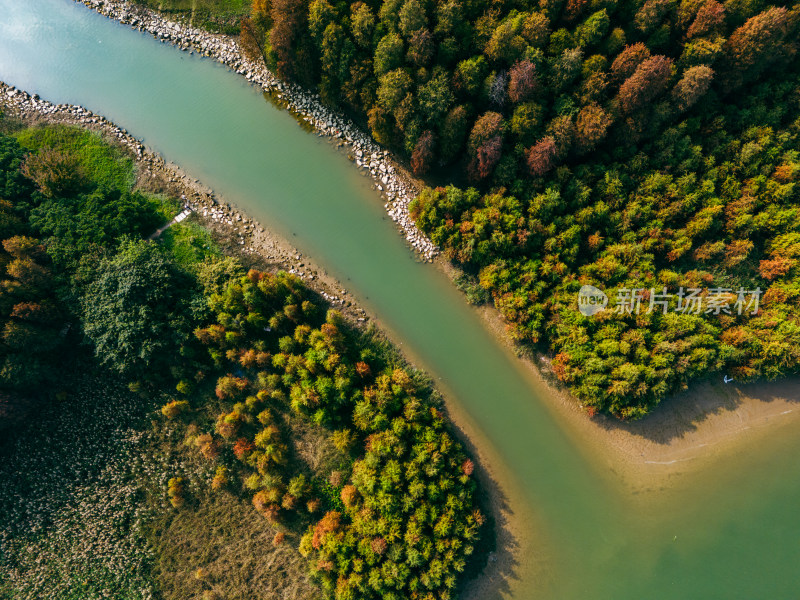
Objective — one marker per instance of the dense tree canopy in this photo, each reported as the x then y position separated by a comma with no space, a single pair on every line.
404,65
399,519
712,205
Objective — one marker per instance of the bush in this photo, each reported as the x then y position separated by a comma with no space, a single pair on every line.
174,408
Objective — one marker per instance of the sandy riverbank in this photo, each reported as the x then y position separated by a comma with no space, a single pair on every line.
685,434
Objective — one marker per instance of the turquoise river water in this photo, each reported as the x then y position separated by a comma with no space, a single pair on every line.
733,533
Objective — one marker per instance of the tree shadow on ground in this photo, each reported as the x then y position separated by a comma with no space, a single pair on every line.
686,411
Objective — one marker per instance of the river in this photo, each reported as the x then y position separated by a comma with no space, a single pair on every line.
734,533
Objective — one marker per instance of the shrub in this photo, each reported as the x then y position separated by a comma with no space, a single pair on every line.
174,408
175,491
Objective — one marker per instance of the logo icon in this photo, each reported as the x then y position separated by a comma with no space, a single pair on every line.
591,300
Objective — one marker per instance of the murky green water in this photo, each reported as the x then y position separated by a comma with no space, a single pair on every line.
734,534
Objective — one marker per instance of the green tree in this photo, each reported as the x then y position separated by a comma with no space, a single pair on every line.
453,133
470,74
13,185
526,122
593,30
435,97
138,311
76,225
388,54
362,23
393,88
412,17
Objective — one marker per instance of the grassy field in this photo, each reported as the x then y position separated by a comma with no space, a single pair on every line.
99,521
217,546
73,504
102,163
215,15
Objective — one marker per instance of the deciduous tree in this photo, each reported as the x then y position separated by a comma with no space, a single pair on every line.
693,85
541,156
646,83
136,312
522,82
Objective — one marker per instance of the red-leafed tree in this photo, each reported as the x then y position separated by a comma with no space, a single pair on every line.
522,81
710,16
486,127
756,44
646,83
775,268
328,524
288,24
626,62
250,40
485,144
422,157
575,8
542,156
488,156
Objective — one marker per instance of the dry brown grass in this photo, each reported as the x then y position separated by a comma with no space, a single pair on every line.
314,449
233,546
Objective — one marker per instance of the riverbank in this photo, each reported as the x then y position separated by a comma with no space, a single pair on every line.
235,230
392,182
514,554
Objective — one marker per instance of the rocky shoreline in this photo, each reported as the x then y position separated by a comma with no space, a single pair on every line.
232,228
390,180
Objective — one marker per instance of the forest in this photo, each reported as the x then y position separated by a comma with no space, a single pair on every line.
646,146
183,383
